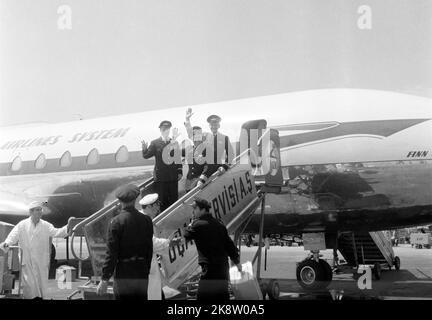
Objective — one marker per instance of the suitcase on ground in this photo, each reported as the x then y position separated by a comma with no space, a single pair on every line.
244,285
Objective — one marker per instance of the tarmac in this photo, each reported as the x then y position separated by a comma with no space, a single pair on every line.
412,281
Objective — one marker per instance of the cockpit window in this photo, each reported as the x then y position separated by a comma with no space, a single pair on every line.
122,154
93,157
40,162
16,164
66,160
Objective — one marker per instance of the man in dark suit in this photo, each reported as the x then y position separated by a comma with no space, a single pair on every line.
129,249
214,247
168,166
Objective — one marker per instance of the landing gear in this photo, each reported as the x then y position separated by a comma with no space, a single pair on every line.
273,290
377,271
313,275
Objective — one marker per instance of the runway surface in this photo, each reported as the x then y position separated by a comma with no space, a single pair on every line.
412,281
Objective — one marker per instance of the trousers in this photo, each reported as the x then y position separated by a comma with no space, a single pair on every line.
213,284
168,193
130,289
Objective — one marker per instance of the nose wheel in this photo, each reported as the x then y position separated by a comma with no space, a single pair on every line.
270,288
313,275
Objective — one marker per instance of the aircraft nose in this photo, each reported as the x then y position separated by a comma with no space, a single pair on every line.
13,207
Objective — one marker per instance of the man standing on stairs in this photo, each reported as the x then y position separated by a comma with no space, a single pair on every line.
168,165
214,247
218,152
218,148
194,156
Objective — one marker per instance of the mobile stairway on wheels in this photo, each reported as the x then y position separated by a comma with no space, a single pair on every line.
373,249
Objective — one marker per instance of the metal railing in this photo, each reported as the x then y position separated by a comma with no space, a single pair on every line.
113,205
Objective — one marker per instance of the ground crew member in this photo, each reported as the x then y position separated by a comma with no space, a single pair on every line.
214,247
150,207
219,148
129,249
32,235
195,158
168,166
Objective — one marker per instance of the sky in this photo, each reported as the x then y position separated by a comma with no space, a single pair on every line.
106,57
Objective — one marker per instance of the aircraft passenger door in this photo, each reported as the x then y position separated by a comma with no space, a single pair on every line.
271,159
264,152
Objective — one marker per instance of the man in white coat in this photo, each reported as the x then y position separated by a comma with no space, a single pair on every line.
150,207
32,235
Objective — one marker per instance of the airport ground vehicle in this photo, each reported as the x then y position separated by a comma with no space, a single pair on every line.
421,240
11,273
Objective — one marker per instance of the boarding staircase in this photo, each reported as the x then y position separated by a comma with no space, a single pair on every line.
366,248
181,261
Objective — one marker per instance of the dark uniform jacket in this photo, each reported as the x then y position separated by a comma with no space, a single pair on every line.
130,235
195,168
162,171
213,243
221,151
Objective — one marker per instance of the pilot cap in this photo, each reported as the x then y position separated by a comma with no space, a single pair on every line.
36,204
127,193
213,118
165,124
149,199
202,203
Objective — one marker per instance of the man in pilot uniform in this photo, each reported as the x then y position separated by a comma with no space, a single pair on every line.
168,166
214,247
194,154
218,148
129,249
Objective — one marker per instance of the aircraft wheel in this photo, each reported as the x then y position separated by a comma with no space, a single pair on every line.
397,263
310,275
377,271
273,290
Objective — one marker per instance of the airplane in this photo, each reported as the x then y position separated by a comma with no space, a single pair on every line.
352,160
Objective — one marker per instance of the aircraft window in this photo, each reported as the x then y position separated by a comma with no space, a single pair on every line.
93,157
16,164
122,154
66,160
40,162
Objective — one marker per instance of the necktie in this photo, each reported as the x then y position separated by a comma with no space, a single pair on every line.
215,149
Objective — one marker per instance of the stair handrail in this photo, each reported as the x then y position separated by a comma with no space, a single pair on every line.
108,207
113,204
